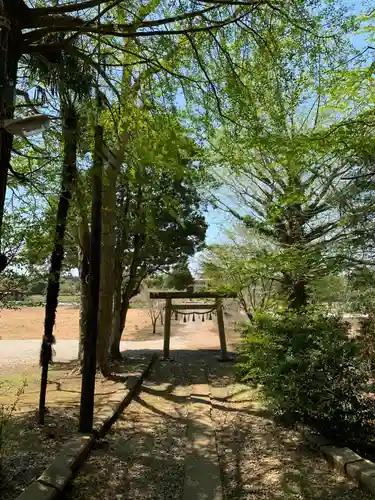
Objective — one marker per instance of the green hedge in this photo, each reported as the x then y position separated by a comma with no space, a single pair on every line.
310,371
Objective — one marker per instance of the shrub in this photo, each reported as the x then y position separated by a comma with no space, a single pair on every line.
310,371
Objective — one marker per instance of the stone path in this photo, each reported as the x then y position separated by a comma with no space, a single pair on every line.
202,471
194,434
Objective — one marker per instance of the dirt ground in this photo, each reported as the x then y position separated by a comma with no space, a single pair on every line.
143,455
32,447
27,448
26,323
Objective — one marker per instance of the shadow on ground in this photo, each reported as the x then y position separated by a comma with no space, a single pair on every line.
28,448
143,455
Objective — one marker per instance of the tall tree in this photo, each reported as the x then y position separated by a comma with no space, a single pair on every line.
50,32
242,265
279,158
69,170
161,224
180,277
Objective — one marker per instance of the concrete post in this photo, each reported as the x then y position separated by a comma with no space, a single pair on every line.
220,325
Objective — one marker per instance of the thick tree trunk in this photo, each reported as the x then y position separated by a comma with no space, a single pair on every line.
107,270
108,253
298,297
14,14
8,79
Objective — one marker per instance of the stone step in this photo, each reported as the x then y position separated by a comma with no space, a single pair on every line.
202,471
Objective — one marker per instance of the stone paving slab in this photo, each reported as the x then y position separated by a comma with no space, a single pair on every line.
202,471
39,491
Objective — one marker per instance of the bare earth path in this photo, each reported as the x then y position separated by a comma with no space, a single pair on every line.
194,434
23,355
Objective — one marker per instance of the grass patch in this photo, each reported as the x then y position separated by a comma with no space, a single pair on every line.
40,300
69,298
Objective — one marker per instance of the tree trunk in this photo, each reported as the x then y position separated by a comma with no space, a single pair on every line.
125,304
296,292
116,323
83,304
128,292
108,254
298,296
154,326
8,79
116,337
107,270
57,256
69,168
86,414
83,240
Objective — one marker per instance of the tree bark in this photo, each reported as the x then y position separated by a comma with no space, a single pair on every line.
128,293
107,267
116,323
298,296
8,78
57,256
120,248
296,291
82,233
84,289
108,254
86,415
117,334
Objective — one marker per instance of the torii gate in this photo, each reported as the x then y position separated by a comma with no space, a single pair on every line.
170,307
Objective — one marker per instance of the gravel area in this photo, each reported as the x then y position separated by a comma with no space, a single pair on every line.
261,460
143,456
28,448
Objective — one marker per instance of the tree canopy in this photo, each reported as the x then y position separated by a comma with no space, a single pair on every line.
161,110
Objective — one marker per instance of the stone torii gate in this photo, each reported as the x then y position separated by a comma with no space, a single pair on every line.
170,307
